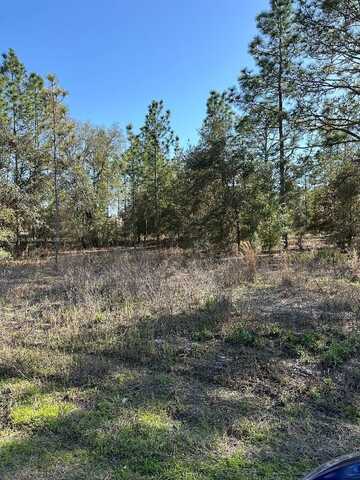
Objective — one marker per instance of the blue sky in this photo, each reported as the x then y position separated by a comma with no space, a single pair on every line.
115,56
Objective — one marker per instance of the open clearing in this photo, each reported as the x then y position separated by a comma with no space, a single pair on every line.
148,365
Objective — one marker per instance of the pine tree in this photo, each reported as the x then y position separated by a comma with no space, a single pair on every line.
13,95
330,78
133,172
275,51
158,139
22,105
218,167
58,127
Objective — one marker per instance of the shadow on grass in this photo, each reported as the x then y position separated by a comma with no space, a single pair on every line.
177,403
150,427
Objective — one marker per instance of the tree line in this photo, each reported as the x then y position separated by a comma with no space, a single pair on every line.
277,155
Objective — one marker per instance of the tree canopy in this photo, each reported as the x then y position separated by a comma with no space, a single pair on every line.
277,155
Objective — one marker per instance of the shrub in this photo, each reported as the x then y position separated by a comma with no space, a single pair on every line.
269,232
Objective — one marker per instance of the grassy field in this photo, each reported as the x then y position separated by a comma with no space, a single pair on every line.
145,365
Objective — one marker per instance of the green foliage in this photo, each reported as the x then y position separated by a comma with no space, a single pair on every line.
277,156
339,351
270,229
268,97
336,204
222,179
329,30
91,189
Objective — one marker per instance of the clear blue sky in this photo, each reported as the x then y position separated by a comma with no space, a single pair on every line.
115,56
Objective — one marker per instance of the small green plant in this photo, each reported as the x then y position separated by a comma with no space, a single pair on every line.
302,344
339,351
271,330
242,336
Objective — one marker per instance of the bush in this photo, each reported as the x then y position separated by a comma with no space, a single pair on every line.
270,231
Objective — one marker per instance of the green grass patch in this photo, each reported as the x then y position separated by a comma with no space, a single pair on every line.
43,411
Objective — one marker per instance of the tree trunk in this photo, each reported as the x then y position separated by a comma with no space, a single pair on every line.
56,185
282,159
156,195
16,182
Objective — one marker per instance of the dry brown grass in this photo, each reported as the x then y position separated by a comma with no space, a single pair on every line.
249,257
248,364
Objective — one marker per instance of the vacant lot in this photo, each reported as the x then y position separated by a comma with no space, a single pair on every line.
144,366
